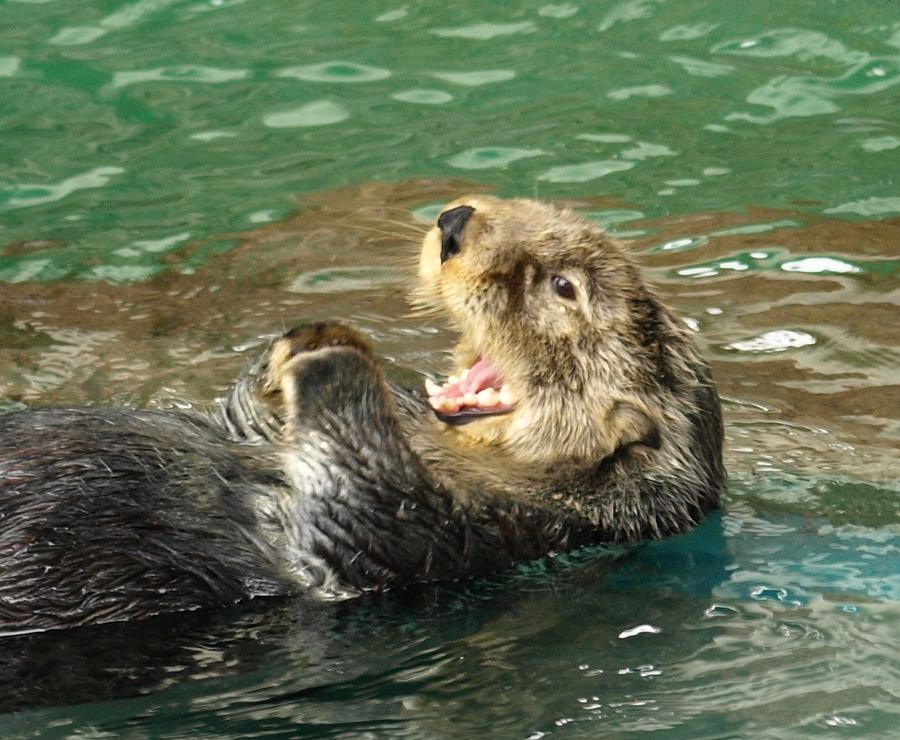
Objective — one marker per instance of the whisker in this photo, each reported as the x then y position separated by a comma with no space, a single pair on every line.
375,214
354,214
418,228
418,314
412,260
384,232
401,262
400,209
411,235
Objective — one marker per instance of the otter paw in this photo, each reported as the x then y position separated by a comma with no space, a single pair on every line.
312,337
316,359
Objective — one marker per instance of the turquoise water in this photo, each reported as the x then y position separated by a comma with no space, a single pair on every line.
178,180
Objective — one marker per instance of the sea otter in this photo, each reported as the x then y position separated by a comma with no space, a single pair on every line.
579,412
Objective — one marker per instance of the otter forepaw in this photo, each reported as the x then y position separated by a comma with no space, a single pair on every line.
321,365
303,342
312,337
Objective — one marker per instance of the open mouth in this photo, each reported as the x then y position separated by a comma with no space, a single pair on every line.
474,394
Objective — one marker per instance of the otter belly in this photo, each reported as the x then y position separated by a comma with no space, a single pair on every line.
108,515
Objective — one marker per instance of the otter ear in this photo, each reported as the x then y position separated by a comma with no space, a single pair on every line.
632,428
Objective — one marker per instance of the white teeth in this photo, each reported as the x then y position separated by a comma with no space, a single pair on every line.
488,397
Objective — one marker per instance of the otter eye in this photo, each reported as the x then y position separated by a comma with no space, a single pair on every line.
563,288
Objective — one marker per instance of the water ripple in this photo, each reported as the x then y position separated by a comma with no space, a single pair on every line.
881,143
485,31
423,96
627,11
584,171
9,66
818,265
393,15
317,113
774,341
869,207
777,241
133,13
336,71
640,91
496,157
76,35
181,73
476,78
701,67
788,97
558,11
23,195
797,42
688,32
645,150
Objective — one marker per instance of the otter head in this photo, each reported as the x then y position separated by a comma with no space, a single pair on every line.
564,352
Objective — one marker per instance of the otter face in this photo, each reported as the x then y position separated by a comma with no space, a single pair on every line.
564,352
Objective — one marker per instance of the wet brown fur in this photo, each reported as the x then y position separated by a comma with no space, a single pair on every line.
613,368
618,423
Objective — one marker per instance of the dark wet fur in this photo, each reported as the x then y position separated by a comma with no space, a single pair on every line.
110,515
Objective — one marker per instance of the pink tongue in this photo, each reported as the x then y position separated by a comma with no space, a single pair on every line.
481,375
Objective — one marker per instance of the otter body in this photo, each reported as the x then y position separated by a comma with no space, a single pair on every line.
579,412
108,515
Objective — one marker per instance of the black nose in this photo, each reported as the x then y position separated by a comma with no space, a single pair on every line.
451,224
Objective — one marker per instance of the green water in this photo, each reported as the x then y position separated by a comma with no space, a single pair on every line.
130,128
180,179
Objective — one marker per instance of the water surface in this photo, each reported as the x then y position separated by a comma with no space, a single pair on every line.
181,180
